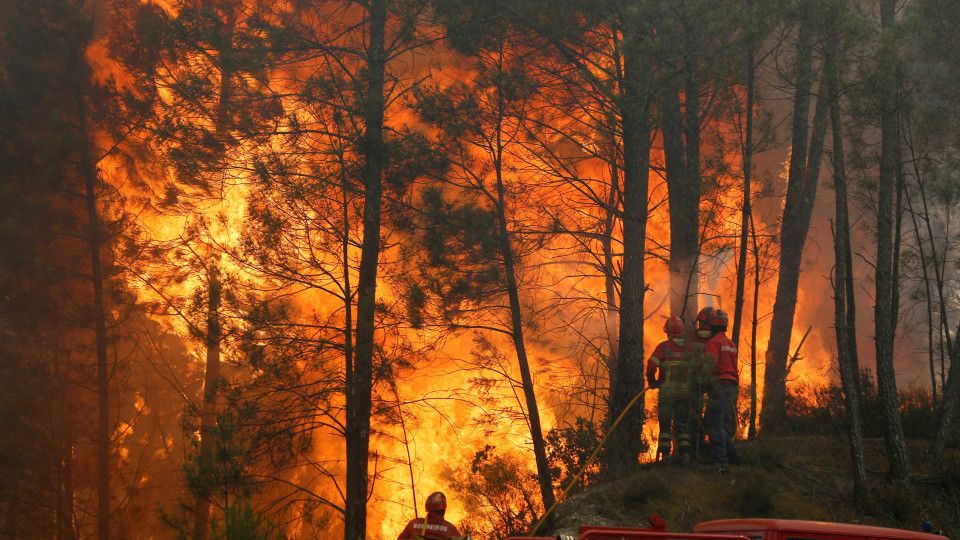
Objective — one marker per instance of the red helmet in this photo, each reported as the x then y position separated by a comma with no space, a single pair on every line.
436,502
719,318
705,315
673,326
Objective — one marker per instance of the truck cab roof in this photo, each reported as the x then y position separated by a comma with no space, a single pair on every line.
792,529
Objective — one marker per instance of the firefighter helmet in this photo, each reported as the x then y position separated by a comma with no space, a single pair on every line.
673,326
719,318
436,502
705,315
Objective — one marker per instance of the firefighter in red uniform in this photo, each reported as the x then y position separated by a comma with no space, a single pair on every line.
431,526
723,391
669,370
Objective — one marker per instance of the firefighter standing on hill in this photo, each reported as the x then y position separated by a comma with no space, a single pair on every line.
431,526
701,376
669,370
721,394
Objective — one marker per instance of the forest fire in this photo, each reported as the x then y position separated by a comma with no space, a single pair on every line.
288,268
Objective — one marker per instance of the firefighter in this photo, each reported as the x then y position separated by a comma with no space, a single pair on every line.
669,370
431,526
701,375
722,392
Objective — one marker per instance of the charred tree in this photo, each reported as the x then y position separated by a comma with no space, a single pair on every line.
634,100
884,308
359,380
516,315
516,330
844,299
746,213
680,128
751,49
92,186
211,379
806,151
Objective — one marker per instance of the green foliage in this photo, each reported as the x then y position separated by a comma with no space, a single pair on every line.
241,522
568,450
500,494
223,471
456,249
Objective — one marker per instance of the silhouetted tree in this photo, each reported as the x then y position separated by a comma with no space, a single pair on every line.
803,176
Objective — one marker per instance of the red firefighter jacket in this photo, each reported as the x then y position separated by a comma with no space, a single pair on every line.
436,527
724,354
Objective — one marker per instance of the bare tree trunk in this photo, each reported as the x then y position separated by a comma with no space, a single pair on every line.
951,389
625,442
611,310
745,216
801,194
690,239
359,388
516,333
683,178
844,301
65,491
516,312
754,319
683,192
947,409
95,243
929,458
884,310
208,414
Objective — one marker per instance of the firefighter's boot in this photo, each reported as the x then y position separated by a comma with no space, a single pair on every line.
663,451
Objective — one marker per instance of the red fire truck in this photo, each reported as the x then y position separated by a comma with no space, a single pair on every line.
747,529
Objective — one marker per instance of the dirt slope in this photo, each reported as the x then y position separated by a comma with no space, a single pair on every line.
794,477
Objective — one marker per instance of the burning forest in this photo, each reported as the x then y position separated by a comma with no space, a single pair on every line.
283,269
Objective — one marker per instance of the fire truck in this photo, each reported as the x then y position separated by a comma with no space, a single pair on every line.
746,529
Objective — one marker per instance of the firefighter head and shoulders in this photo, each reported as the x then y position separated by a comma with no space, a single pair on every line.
433,525
667,365
721,349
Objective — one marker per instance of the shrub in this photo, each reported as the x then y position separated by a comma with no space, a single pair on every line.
755,495
568,450
819,409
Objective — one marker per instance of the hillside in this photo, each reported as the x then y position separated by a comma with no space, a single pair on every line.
791,477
